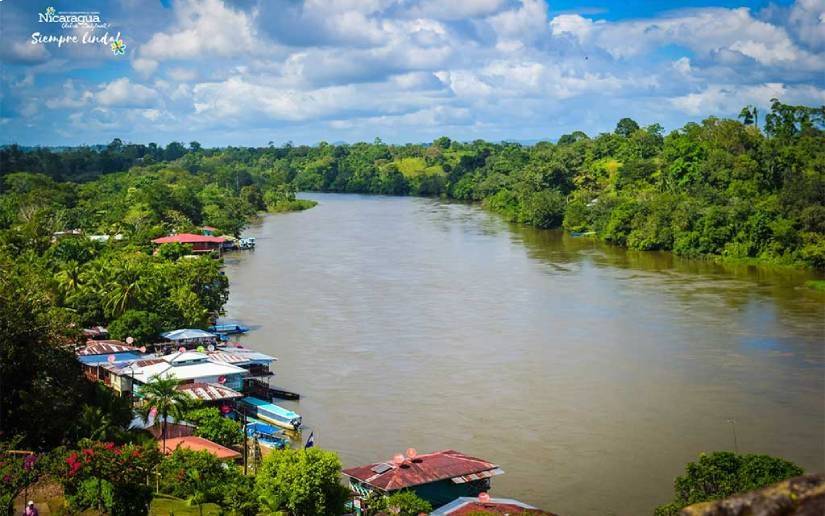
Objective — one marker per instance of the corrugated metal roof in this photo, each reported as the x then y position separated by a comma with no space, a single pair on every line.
189,238
197,444
463,479
209,391
229,358
240,356
104,347
467,505
424,469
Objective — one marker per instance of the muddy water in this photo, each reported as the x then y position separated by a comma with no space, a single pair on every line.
590,374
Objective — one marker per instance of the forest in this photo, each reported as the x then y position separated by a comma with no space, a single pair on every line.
733,189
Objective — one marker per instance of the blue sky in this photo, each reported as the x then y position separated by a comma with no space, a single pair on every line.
248,72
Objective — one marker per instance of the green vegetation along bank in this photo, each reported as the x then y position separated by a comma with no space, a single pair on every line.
720,188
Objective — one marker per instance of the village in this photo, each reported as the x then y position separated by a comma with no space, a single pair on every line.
213,370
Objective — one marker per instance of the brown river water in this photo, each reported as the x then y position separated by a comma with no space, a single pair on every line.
589,373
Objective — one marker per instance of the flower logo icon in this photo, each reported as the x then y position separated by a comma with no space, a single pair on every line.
50,11
118,47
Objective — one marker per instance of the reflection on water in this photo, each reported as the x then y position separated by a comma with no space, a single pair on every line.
591,374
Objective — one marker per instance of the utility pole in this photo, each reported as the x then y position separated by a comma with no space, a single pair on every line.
243,414
732,422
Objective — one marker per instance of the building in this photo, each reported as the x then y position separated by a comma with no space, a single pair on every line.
258,366
196,443
199,243
189,367
483,504
97,356
209,230
438,477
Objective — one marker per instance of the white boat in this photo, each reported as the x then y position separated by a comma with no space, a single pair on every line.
271,413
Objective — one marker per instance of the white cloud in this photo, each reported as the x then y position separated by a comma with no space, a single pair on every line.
455,10
705,31
725,99
807,20
204,28
182,74
72,97
523,23
24,52
124,93
145,66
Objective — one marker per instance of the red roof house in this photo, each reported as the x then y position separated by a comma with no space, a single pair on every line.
486,505
438,477
199,243
195,443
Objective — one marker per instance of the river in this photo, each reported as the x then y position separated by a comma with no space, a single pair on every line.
589,373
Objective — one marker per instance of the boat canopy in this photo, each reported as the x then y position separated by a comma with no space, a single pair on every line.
265,406
188,334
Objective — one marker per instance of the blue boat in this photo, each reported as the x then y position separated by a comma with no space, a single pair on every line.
271,413
228,328
268,435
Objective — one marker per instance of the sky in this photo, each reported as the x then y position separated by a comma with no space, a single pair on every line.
250,72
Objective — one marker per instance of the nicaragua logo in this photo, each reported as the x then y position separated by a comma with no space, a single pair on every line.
79,27
69,20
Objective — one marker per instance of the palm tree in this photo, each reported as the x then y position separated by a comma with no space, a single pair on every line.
125,288
95,424
163,395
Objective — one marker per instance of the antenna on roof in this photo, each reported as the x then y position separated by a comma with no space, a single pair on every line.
398,459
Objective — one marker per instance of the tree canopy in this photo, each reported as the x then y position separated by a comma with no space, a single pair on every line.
723,188
722,474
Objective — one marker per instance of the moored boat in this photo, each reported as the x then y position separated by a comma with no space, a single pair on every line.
228,328
271,413
267,435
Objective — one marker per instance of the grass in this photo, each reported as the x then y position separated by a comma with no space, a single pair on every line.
294,205
412,167
816,285
163,505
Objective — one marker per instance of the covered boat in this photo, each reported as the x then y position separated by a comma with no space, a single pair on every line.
271,413
267,435
228,328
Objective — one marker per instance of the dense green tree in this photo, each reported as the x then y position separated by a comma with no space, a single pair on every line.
41,387
144,327
722,474
301,482
626,127
215,427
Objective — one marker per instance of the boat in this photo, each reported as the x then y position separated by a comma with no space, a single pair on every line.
246,243
228,328
582,233
267,435
271,413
